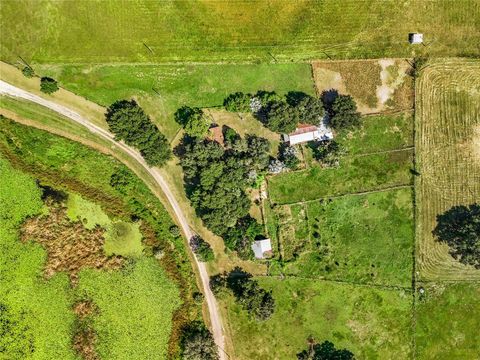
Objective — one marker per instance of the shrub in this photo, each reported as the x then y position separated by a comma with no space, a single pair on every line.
28,72
48,85
327,153
201,248
237,102
175,231
324,351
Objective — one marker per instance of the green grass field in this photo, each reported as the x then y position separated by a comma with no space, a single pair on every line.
372,323
162,89
352,239
215,30
448,321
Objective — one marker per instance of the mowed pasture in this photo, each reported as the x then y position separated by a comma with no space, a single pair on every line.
448,157
162,89
101,31
372,323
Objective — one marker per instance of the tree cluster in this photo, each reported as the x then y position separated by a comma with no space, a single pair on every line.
193,120
241,237
127,120
197,343
216,178
324,351
48,85
459,228
257,301
279,114
201,248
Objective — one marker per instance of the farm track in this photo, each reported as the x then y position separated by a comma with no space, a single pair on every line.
447,109
215,319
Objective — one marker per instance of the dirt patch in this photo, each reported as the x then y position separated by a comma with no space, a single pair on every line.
84,343
70,247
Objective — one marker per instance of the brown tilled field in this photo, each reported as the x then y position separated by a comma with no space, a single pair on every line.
448,157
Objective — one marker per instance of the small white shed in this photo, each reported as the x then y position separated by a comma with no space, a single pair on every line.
415,38
261,247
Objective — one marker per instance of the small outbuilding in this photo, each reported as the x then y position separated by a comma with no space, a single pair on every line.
415,38
262,248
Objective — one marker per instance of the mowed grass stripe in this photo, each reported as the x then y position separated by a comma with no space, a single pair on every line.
448,157
216,30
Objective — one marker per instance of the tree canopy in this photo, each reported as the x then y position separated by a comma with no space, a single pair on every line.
459,228
201,248
343,113
325,351
216,178
127,120
198,343
237,102
193,120
48,85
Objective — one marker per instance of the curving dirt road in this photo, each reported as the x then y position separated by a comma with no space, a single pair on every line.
215,320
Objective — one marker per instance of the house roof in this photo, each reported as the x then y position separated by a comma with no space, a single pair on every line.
304,133
415,38
216,134
260,247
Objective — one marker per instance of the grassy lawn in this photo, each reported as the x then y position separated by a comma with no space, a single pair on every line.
351,239
147,31
454,306
372,323
162,89
355,174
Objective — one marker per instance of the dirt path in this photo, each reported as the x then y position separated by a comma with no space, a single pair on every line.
215,319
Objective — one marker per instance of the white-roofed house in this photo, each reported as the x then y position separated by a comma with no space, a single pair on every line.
305,133
261,248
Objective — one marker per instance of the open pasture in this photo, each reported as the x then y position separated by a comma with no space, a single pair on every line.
371,322
448,157
101,31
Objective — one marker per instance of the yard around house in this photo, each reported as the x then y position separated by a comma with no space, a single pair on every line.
219,31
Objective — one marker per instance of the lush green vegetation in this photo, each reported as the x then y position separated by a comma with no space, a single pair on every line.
135,303
121,238
354,174
127,120
162,89
198,343
99,178
351,239
202,249
371,323
48,85
35,313
343,113
447,321
325,351
148,31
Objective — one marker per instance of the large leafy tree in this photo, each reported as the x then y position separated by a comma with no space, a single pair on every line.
237,102
325,351
127,120
459,227
343,113
198,343
281,117
48,85
193,120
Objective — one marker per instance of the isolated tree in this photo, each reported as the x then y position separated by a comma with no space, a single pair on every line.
193,120
344,114
201,248
459,228
174,231
28,72
237,102
48,85
198,343
324,351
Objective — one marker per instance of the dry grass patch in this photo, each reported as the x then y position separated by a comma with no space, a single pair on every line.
448,108
376,85
70,246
